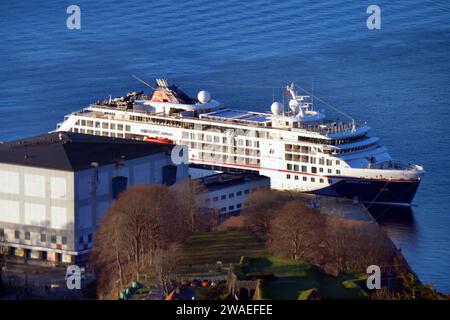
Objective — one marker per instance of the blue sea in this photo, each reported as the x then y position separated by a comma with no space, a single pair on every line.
396,78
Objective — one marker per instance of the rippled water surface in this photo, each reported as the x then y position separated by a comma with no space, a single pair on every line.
396,79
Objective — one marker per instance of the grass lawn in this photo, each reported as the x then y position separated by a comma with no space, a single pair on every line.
294,277
225,246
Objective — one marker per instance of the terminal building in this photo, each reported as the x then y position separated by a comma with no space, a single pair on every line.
227,192
55,188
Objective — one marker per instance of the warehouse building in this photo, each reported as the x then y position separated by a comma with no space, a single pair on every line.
55,188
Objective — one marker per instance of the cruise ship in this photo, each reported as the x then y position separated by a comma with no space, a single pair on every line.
294,145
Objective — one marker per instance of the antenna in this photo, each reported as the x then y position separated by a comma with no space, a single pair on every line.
142,81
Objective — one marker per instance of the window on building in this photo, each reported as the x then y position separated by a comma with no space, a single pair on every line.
231,208
239,193
320,169
16,234
312,160
223,197
231,195
223,209
239,205
305,178
246,191
27,235
329,163
215,199
296,177
313,179
321,161
289,166
321,180
81,240
288,176
329,171
304,169
338,162
127,128
43,237
208,200
64,240
2,232
97,124
314,169
338,171
90,237
295,167
53,238
169,173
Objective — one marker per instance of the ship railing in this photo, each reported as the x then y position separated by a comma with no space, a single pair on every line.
392,165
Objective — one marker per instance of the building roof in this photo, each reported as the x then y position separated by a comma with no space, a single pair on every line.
69,151
227,180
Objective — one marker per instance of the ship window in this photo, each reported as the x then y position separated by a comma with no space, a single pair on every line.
16,234
304,169
27,235
64,240
83,123
313,179
127,128
97,124
322,161
53,238
329,163
104,125
288,147
338,171
304,149
312,160
289,166
304,178
120,127
288,176
329,171
330,181
112,126
288,156
320,169
338,162
321,180
296,177
314,169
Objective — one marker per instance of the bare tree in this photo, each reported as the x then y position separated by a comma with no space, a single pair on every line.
261,207
295,232
143,220
166,265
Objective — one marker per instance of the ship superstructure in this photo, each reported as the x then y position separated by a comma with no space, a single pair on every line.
295,146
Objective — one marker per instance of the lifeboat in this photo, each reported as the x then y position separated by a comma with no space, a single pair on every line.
158,140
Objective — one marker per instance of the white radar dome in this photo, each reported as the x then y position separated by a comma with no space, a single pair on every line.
293,104
276,108
204,96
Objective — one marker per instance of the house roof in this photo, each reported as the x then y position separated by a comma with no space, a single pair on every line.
69,151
